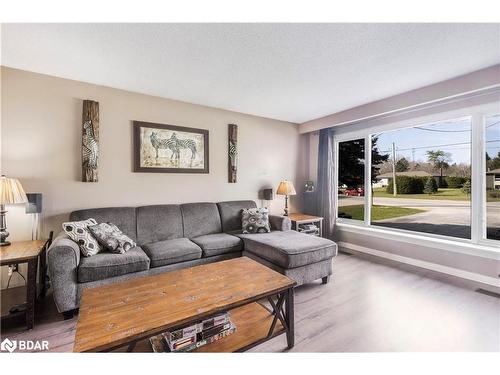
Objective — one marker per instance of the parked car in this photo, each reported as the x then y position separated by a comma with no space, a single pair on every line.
342,188
354,192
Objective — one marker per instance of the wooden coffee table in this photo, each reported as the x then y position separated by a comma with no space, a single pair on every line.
124,313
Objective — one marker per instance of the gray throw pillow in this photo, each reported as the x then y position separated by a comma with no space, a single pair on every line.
78,231
255,220
112,238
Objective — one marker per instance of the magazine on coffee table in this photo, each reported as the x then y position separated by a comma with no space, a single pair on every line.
194,335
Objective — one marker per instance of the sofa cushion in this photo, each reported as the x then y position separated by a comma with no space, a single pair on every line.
200,218
289,249
122,217
171,251
106,264
158,223
230,214
218,243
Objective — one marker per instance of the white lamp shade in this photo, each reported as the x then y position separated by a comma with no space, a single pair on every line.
11,191
286,188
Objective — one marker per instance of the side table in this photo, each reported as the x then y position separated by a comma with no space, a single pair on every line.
25,252
307,224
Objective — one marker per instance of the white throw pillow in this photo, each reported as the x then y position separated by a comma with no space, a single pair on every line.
78,232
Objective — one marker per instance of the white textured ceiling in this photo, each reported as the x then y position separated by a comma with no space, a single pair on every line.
293,72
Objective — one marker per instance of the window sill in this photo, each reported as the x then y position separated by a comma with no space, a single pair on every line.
452,245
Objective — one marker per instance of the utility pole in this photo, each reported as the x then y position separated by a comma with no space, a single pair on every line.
394,186
413,155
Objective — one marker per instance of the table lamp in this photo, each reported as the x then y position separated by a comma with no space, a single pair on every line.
286,188
11,192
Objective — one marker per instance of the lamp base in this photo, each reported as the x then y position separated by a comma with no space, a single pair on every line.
3,227
286,206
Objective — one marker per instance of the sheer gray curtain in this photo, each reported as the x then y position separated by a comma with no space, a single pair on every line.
325,181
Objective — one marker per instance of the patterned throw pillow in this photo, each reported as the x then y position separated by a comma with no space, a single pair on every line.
78,232
112,238
255,220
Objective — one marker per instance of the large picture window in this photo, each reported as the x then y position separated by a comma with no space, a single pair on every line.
423,179
437,176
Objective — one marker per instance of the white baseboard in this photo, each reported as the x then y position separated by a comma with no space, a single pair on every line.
424,264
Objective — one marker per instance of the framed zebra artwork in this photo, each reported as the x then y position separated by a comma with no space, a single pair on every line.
164,148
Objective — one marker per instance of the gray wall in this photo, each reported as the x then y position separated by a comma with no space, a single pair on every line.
471,263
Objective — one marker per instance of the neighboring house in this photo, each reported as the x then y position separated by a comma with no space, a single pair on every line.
383,179
493,179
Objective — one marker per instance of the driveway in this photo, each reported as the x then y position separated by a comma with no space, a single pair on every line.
446,217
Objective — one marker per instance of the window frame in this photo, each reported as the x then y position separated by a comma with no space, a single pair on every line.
478,222
336,184
482,239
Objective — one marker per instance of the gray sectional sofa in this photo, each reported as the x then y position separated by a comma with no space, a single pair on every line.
178,236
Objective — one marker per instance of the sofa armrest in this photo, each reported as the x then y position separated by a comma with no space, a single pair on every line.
282,223
63,258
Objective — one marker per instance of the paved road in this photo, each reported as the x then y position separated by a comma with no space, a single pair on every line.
441,216
406,202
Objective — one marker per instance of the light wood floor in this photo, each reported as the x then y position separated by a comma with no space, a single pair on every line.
368,306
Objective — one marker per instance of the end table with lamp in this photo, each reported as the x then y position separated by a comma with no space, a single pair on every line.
11,192
17,252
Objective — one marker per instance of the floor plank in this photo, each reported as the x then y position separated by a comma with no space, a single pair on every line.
368,306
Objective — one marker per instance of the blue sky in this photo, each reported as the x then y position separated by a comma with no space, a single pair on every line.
453,136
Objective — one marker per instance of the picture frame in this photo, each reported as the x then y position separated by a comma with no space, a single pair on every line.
163,148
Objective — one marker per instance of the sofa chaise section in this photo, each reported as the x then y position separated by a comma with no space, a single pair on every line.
289,249
302,257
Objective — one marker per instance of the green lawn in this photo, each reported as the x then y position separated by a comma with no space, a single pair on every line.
442,194
378,212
